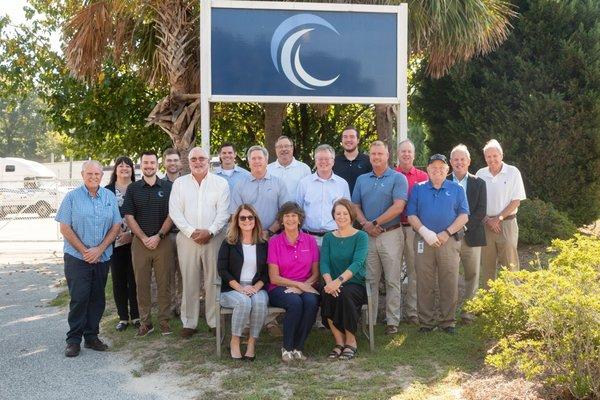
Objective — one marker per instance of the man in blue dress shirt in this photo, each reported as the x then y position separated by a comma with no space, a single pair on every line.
438,211
89,221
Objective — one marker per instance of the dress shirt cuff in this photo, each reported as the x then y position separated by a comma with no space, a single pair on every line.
187,231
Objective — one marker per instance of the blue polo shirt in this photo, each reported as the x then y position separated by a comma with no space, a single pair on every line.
90,218
375,194
437,208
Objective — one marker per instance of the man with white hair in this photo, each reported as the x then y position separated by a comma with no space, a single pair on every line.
505,190
470,249
199,206
317,193
89,221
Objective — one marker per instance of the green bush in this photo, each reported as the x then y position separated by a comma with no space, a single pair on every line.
540,223
547,321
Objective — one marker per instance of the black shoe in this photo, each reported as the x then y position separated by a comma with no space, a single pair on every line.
449,330
121,326
95,344
425,329
72,350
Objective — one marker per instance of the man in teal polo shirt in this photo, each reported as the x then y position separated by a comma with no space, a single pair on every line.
438,210
380,197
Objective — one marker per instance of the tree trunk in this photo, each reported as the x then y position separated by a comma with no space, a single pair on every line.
274,115
384,120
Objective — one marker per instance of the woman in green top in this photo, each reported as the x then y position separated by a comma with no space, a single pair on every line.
342,264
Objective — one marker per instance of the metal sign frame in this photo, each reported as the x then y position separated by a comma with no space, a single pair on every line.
207,97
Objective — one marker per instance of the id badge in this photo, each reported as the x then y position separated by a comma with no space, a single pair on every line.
420,246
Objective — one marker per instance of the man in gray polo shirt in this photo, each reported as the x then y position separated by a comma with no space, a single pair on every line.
380,197
260,189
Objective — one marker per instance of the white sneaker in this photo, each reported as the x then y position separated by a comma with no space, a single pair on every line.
287,356
298,355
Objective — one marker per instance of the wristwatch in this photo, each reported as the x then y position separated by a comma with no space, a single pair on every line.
340,278
161,235
374,222
500,217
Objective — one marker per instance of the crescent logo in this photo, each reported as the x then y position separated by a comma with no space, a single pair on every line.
289,58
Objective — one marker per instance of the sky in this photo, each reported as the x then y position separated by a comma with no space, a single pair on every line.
14,9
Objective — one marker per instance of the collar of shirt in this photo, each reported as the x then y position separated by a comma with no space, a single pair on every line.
158,182
87,192
460,181
316,177
293,164
219,170
298,241
503,170
387,172
267,177
444,185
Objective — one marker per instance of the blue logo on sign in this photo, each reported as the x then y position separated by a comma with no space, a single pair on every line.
296,73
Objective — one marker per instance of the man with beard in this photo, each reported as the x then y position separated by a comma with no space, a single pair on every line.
199,206
351,163
172,164
289,170
228,169
146,210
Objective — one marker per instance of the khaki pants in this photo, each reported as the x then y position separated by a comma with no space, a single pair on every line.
470,258
409,258
441,261
175,283
385,255
144,262
501,250
198,265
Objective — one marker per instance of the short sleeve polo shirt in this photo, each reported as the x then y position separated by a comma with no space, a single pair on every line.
149,205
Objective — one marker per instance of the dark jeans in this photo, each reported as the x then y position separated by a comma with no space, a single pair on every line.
300,316
123,280
86,284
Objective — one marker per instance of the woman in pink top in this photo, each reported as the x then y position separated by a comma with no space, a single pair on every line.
293,260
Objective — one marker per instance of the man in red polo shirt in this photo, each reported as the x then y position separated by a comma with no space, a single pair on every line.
406,158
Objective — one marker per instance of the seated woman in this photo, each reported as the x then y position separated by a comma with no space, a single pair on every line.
293,270
242,266
343,256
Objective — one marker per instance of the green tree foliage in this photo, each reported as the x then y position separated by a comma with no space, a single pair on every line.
547,321
541,222
538,95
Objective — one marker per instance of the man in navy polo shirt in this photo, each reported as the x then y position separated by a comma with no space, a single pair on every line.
89,221
438,210
380,197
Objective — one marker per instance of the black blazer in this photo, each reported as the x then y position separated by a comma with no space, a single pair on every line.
231,260
477,199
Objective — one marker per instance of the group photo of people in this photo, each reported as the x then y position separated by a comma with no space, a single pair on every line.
305,239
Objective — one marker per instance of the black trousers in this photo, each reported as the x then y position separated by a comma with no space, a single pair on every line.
344,310
123,280
86,284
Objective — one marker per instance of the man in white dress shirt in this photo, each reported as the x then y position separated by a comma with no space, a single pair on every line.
505,190
199,206
286,167
317,192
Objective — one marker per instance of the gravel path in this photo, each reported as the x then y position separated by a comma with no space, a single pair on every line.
32,341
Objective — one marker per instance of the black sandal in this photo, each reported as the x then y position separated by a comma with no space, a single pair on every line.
335,354
348,353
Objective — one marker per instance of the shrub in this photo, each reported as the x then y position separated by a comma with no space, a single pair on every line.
540,223
547,322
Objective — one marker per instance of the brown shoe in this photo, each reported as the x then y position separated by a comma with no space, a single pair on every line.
188,332
95,344
144,330
391,330
72,350
165,329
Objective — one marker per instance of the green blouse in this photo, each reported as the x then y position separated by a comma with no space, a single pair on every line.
341,254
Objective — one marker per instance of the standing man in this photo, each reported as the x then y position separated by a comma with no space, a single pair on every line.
351,163
89,221
505,190
380,197
470,246
406,159
199,206
229,170
146,209
286,167
172,163
264,191
437,210
317,193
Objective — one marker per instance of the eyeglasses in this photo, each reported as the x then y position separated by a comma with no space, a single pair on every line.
284,146
246,217
199,159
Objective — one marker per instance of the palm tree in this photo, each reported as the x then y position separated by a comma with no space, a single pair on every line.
160,39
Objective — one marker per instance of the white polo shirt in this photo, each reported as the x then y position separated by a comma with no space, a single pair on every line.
503,188
290,174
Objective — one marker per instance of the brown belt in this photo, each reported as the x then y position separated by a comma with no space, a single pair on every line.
391,228
511,216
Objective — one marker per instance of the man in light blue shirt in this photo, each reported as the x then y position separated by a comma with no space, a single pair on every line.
380,197
228,169
317,192
89,221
